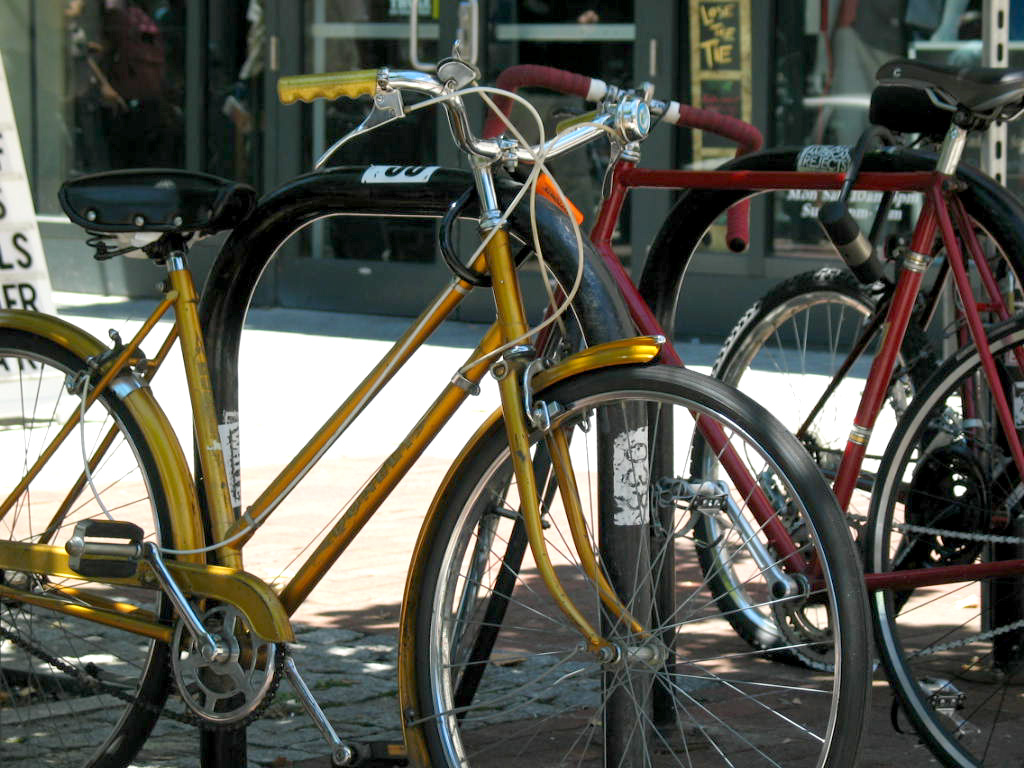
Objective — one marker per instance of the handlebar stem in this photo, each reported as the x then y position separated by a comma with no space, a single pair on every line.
490,209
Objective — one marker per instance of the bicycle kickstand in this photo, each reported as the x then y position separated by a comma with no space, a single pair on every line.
343,754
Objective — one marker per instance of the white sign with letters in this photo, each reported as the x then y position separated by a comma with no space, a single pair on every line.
24,279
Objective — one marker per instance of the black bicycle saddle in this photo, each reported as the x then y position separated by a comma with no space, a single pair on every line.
978,89
156,200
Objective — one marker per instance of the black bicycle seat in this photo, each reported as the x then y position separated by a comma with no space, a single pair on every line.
156,200
986,91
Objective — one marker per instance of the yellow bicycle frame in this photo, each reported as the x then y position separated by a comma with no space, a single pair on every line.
266,611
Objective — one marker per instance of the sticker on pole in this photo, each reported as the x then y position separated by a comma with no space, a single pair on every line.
630,473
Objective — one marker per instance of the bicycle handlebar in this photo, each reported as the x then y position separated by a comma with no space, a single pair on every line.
332,85
747,136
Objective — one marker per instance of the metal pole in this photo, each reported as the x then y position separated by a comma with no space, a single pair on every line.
995,47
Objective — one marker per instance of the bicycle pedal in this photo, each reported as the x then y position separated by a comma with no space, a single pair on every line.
116,555
379,754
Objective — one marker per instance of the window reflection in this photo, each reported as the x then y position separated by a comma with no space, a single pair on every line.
125,84
367,34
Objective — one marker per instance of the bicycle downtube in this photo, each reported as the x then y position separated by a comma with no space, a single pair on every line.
761,507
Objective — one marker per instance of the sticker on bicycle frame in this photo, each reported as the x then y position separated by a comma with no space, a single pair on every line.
1018,404
823,157
398,174
630,472
230,448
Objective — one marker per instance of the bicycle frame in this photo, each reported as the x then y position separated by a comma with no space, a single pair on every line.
936,216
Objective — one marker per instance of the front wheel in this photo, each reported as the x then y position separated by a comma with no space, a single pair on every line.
788,351
503,675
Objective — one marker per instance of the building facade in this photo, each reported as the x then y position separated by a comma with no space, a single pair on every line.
104,84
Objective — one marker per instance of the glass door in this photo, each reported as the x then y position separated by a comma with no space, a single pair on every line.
344,263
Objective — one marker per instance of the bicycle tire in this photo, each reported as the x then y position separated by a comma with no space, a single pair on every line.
946,477
829,301
478,497
74,692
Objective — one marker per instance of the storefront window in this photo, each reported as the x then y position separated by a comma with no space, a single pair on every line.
360,34
97,85
829,54
236,70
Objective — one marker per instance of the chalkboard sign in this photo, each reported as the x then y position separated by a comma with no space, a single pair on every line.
720,67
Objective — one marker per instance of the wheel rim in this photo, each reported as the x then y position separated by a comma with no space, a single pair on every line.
949,649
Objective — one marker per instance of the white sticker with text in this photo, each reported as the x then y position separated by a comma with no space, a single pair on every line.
230,447
398,174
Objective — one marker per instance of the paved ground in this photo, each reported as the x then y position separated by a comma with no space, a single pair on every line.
297,363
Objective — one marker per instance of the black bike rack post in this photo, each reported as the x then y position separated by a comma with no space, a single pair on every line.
248,251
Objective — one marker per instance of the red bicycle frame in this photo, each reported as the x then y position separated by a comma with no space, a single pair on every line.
940,201
934,216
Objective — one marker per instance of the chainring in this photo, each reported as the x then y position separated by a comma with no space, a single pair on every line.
232,691
949,491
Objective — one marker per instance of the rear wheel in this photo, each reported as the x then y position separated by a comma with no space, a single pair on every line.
73,692
503,677
951,496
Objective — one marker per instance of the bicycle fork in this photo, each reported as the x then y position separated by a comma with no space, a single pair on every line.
509,372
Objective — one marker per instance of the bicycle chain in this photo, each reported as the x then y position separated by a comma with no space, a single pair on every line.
979,637
982,537
188,717
989,538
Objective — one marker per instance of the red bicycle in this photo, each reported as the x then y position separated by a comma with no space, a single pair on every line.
944,530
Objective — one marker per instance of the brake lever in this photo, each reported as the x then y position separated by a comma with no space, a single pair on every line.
387,107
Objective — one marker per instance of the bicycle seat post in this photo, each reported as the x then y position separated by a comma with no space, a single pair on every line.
211,458
952,149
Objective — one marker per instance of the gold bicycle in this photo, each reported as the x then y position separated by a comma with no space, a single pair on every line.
534,623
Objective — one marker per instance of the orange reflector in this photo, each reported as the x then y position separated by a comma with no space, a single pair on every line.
545,188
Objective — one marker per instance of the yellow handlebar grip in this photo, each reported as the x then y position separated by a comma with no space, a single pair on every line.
330,85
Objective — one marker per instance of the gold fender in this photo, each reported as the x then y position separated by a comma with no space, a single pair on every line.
635,351
183,505
253,597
